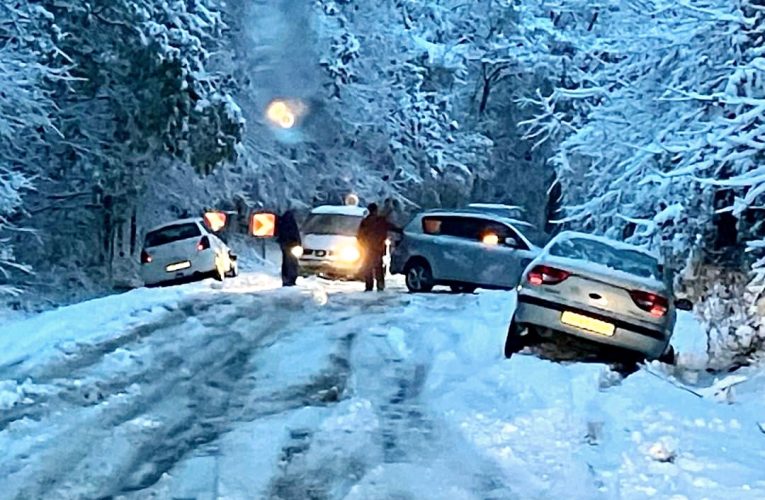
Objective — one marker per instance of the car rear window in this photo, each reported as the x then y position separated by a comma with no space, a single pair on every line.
169,234
621,259
343,225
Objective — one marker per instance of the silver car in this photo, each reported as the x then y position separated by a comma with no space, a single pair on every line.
330,247
605,296
185,249
464,249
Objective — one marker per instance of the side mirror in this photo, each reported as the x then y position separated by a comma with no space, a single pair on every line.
512,242
684,305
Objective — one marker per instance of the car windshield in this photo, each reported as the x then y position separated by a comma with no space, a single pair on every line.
344,225
621,259
168,234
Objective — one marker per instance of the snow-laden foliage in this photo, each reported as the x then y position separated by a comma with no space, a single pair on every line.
408,100
395,85
25,110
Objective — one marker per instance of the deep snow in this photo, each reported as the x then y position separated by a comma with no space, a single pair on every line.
249,391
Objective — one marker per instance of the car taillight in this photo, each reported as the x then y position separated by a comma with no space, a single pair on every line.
145,257
546,275
203,244
655,305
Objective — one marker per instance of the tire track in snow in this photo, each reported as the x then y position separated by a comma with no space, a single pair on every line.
407,435
203,394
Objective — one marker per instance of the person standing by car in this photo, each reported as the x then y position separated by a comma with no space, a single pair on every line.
288,237
372,234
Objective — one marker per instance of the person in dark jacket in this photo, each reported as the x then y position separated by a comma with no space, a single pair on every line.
288,237
372,234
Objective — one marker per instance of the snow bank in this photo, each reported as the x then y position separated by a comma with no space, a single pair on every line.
574,430
61,330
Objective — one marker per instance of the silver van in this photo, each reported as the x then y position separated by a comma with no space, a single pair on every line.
464,249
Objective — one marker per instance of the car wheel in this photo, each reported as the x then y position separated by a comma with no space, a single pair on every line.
669,357
233,269
463,288
626,367
419,277
514,342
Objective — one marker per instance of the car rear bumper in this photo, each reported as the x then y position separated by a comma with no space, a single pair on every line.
156,272
398,262
538,312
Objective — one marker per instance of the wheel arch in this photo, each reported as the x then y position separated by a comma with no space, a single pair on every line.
416,259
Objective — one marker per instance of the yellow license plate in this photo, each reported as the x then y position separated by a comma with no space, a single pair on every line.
178,266
587,323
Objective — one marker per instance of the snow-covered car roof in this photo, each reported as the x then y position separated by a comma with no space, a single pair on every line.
477,211
619,245
176,222
496,206
340,210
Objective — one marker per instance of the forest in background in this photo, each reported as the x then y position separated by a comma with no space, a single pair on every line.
638,119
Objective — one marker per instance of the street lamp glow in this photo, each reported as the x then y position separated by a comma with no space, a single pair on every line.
281,114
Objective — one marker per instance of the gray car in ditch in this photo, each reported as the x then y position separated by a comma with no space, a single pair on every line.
606,296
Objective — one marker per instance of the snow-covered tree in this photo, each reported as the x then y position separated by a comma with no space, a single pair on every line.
25,119
138,91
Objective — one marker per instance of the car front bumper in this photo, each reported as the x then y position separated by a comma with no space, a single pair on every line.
628,335
329,268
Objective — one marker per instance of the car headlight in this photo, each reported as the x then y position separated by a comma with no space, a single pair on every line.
349,253
297,251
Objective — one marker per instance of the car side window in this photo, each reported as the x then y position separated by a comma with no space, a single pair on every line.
504,232
459,227
432,225
469,228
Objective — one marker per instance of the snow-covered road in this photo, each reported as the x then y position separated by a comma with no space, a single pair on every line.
252,391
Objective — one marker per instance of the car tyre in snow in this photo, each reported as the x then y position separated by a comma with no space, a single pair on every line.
626,368
419,277
463,288
669,357
514,342
233,270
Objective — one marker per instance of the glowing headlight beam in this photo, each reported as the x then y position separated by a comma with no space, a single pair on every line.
349,254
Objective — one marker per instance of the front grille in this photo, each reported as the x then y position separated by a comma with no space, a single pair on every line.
317,253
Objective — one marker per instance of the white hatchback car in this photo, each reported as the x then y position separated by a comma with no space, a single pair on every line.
185,249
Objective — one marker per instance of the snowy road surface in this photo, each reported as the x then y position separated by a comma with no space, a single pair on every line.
251,391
